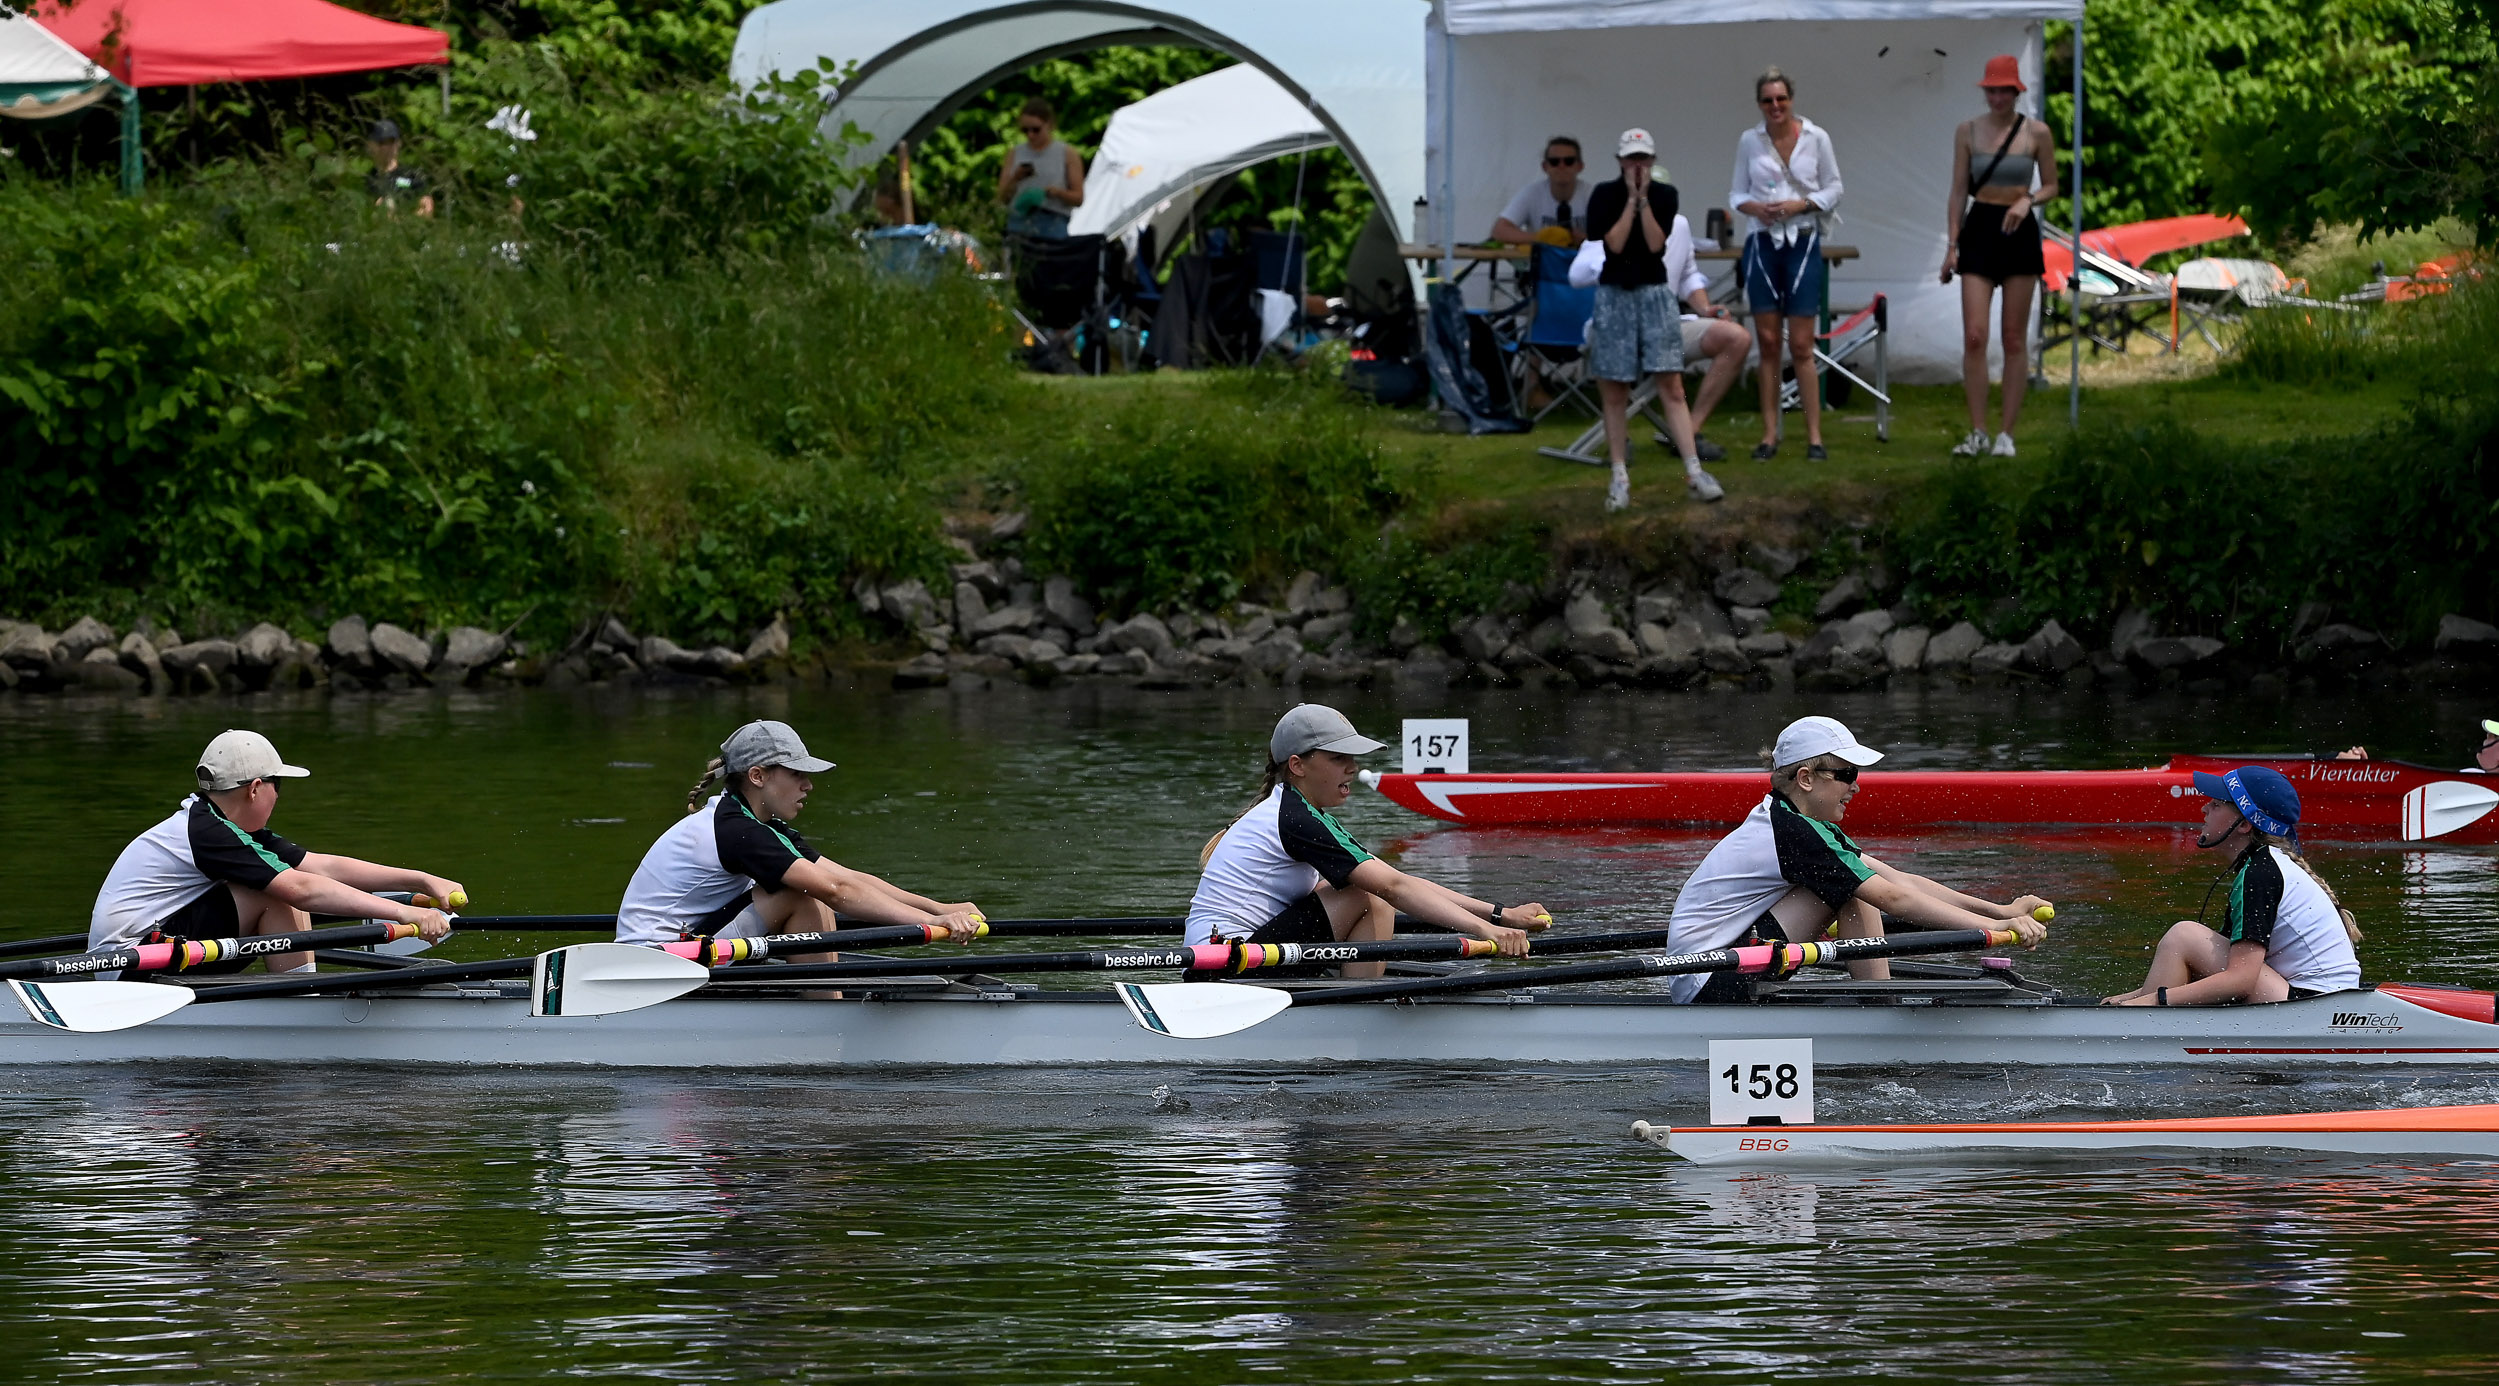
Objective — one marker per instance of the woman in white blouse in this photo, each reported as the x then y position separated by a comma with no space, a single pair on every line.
1786,183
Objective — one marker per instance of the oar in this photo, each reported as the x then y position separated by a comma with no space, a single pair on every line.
1038,928
1185,1010
627,973
49,943
91,1006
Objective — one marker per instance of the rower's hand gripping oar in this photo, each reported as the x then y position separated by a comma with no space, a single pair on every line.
94,1007
1187,1010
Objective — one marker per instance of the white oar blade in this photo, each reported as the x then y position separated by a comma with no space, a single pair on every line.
1200,1010
604,978
93,1008
404,947
2435,810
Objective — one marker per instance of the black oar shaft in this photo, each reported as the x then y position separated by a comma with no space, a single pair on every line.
1788,958
181,953
50,943
1210,957
366,981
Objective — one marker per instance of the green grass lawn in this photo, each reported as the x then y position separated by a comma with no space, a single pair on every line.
1505,471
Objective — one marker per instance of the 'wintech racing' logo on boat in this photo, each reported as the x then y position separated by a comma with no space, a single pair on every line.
2362,1020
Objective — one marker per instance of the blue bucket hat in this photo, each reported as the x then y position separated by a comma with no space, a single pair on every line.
2263,797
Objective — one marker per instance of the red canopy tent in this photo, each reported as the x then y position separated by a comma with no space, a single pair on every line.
172,43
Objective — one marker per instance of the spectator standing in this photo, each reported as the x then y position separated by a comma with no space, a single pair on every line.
1634,329
1556,202
1042,178
1786,184
392,184
2001,164
1707,332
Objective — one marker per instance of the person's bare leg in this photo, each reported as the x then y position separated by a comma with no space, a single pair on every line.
1358,916
1976,294
1679,425
256,913
795,912
1766,335
2189,952
1858,919
1615,396
1725,345
2017,297
1800,333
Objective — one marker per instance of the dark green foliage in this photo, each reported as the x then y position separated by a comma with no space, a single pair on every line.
1261,475
310,404
1445,579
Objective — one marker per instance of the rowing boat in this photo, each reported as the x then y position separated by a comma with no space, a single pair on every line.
976,1021
2467,1131
2365,800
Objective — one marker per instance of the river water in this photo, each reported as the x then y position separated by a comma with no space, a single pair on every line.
1174,1224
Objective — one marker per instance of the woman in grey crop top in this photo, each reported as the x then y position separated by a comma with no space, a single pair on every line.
1042,177
2003,165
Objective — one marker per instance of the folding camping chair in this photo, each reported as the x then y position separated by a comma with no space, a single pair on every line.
1866,329
1550,349
1063,288
2119,301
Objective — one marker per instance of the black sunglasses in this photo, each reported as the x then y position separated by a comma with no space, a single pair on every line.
1562,163
1845,774
1770,100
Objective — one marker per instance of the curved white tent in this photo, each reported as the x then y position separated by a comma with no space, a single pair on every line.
1889,79
42,76
1159,153
1355,65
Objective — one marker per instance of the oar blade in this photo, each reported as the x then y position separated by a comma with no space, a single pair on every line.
94,1008
604,978
2435,810
1200,1010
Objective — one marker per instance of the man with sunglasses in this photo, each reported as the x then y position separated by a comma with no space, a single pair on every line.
1557,202
2485,756
1787,871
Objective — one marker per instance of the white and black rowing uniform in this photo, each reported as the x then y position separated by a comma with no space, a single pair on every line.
699,878
1261,884
2275,902
173,878
1728,898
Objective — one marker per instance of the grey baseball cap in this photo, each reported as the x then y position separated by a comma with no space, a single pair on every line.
1313,727
768,744
236,758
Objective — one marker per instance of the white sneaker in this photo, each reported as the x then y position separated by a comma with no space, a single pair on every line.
1618,495
2004,445
1704,486
1973,446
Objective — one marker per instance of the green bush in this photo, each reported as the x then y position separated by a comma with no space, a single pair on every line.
1263,475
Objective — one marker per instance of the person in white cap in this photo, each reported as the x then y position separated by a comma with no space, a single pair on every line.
215,870
1787,871
1635,330
1286,871
733,867
2485,755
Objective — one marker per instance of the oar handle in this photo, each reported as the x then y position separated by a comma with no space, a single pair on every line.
179,954
1778,959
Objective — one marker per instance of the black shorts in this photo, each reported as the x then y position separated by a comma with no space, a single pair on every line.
1988,251
1303,921
209,915
1732,988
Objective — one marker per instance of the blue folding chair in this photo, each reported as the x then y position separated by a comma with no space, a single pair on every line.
1553,348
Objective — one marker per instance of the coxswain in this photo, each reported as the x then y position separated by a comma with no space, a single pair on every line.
2485,756
733,867
2283,936
215,870
1286,871
1787,872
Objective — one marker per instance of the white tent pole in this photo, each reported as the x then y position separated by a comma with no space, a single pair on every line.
2073,283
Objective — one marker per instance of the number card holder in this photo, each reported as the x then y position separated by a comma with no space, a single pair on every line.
1435,746
1761,1082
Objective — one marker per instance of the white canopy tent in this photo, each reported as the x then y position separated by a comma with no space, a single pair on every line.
1889,79
42,76
1162,153
1355,65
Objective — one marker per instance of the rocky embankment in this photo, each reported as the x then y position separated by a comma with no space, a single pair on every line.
1741,628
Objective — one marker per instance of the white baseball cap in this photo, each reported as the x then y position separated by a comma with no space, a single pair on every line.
768,744
1315,727
1807,737
1635,141
236,758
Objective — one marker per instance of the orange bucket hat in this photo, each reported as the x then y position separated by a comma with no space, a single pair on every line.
2003,70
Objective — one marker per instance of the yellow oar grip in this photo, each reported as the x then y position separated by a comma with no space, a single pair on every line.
459,900
2044,913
